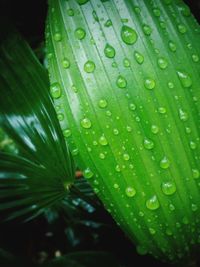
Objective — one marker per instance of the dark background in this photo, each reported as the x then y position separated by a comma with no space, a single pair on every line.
41,238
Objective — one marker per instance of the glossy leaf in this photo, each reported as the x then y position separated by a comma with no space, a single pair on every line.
44,171
129,78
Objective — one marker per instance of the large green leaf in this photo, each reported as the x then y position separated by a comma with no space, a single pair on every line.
44,171
125,77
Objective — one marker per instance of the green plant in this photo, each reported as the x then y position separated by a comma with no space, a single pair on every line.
124,80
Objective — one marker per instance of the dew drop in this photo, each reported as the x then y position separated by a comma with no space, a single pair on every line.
185,79
148,144
181,28
121,82
126,156
115,131
162,110
80,33
102,103
86,123
171,207
57,37
67,132
130,191
183,115
156,12
147,29
132,106
153,203
170,85
117,168
195,58
138,57
193,145
89,66
162,63
154,129
103,141
109,51
152,231
149,83
60,117
55,90
70,12
168,188
87,173
194,207
65,63
169,232
128,35
102,156
195,173
141,250
126,63
172,46
164,163
108,23
116,186
75,152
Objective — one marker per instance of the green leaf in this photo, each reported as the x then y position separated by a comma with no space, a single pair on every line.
128,73
84,259
43,172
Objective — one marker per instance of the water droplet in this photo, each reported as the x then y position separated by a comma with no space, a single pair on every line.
129,129
149,83
154,129
114,65
152,231
168,188
89,66
193,145
102,103
75,152
195,173
65,63
70,12
172,46
147,29
102,156
108,23
117,168
185,220
103,141
67,133
55,90
80,33
86,123
164,163
148,144
121,82
82,2
115,131
95,16
153,203
109,51
130,191
188,130
170,85
126,156
183,115
162,63
156,12
128,35
57,37
169,232
184,78
194,207
74,88
126,63
141,250
138,57
132,106
162,24
116,186
137,10
162,110
171,207
60,117
87,173
195,58
181,28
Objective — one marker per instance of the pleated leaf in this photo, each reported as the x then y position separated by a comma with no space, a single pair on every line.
44,170
128,74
